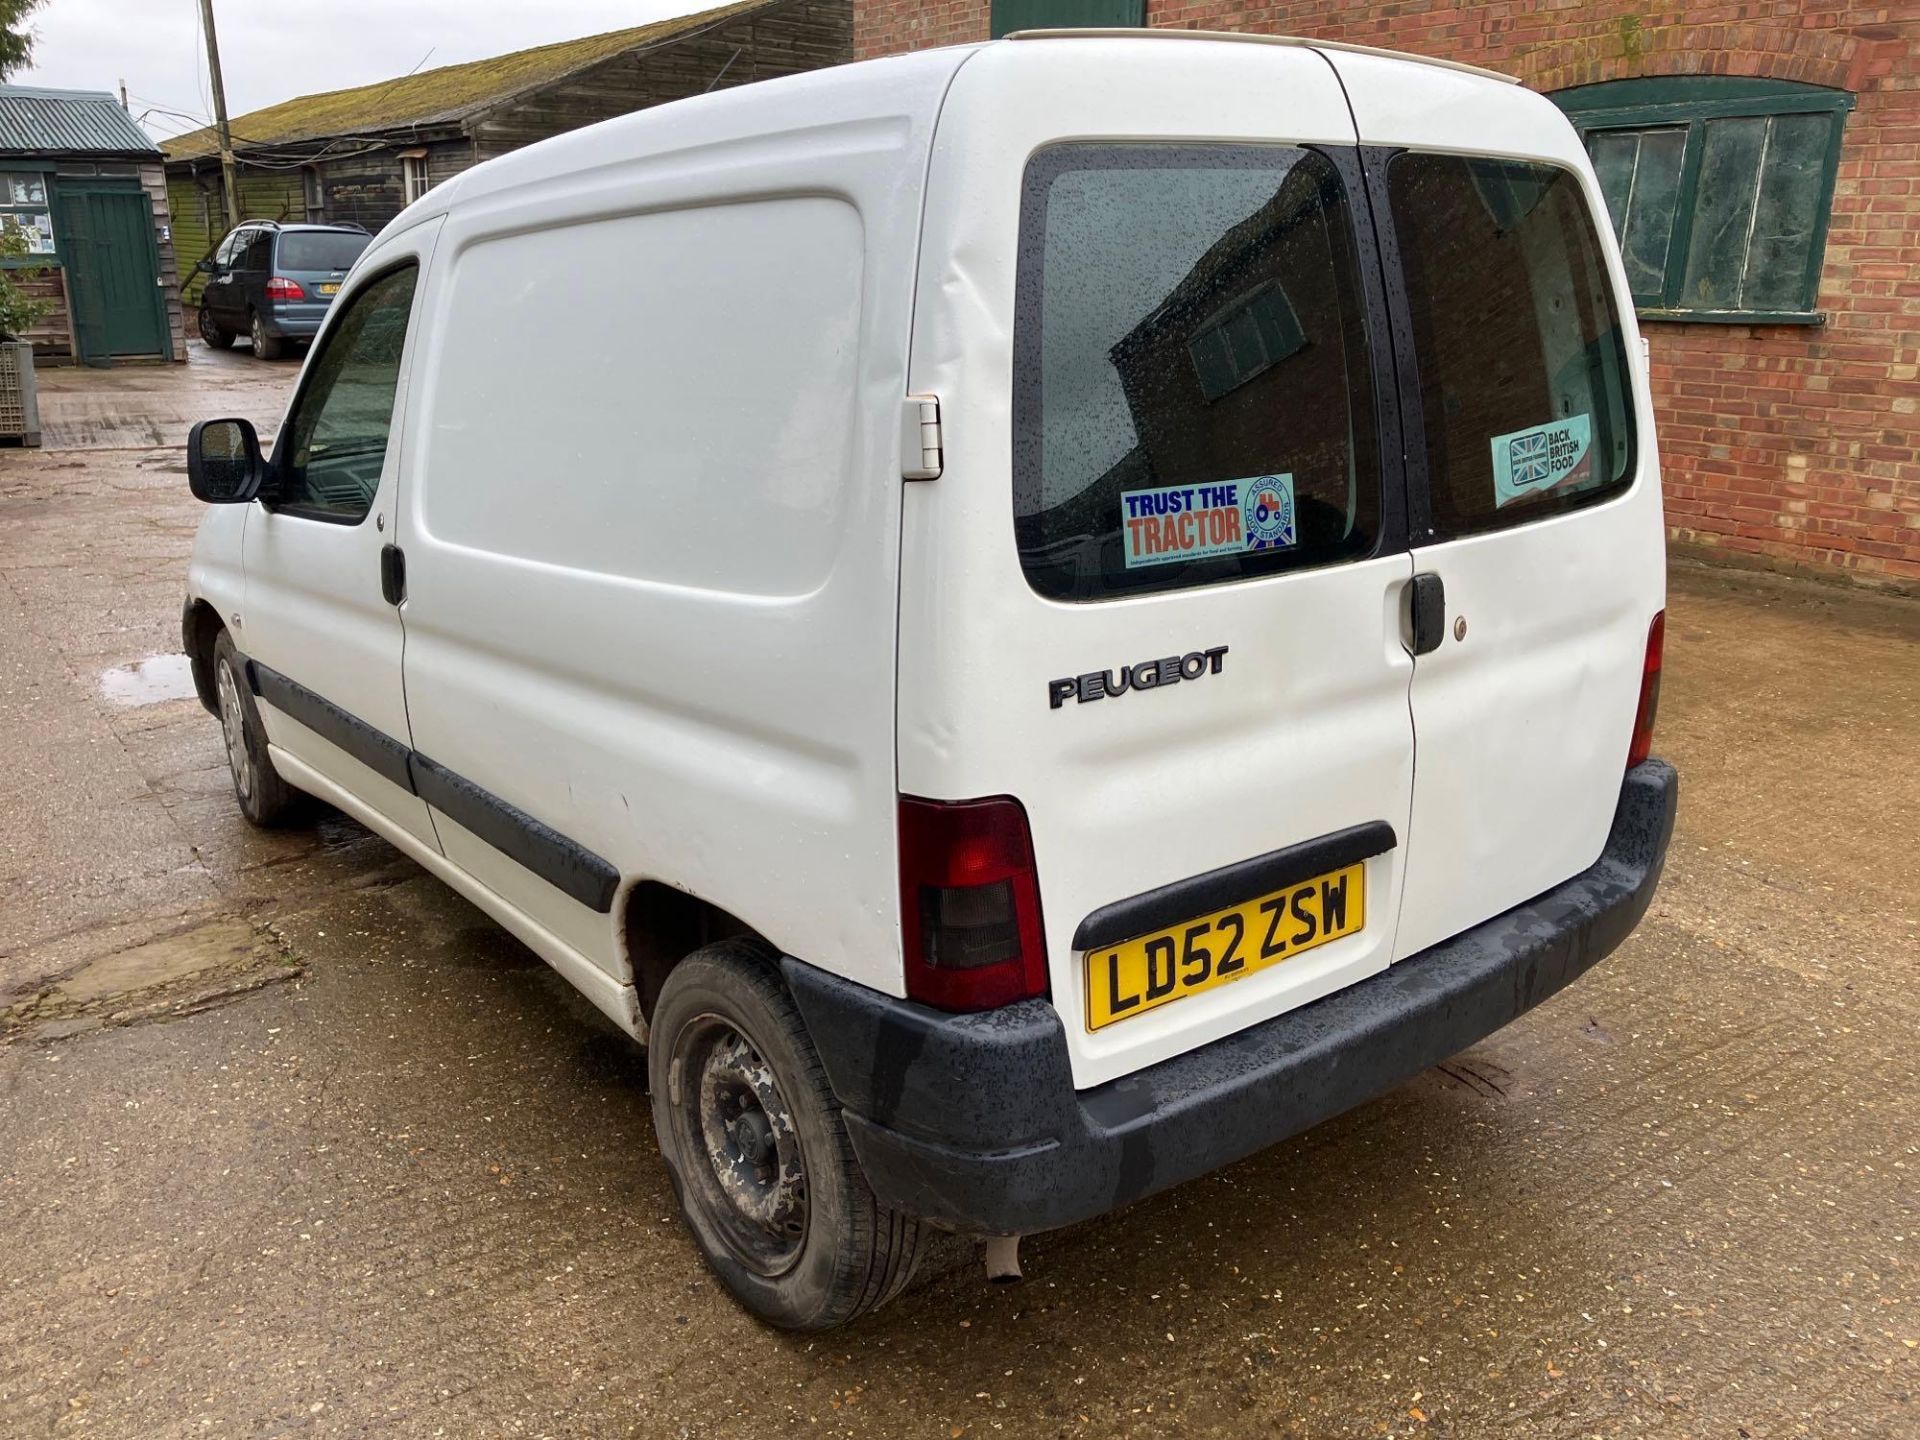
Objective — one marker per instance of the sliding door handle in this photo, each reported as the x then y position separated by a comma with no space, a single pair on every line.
1427,602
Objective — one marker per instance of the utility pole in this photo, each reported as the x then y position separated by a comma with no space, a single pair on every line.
229,176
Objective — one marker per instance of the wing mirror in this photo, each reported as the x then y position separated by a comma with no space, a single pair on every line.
203,267
224,466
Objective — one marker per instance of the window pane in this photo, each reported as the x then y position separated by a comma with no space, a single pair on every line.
1523,368
1011,15
1723,212
1787,213
321,249
1649,228
1192,397
338,431
1614,154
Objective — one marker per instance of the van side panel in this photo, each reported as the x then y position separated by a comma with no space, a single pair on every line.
653,545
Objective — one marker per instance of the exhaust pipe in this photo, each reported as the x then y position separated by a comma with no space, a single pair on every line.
1003,1259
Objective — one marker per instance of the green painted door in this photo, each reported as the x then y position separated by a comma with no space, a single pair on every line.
105,238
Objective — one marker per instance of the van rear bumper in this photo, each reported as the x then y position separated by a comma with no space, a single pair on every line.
972,1121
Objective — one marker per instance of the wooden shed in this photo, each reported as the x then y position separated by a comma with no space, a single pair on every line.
361,155
84,184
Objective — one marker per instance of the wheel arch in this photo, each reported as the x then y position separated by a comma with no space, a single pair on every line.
200,627
661,925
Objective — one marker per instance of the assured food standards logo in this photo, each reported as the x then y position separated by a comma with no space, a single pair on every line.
1266,505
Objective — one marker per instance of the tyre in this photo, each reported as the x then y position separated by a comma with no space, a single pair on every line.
757,1151
264,797
216,335
265,346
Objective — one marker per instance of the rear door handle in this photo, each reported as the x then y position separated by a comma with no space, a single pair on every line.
393,574
1427,602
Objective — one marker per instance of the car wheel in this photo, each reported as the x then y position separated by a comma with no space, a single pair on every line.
758,1154
265,346
216,335
264,797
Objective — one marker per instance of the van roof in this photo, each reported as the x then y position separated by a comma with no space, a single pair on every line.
1303,41
906,85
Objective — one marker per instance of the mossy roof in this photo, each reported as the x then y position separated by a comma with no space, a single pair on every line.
442,96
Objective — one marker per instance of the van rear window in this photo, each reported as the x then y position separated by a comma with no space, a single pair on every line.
1192,395
1523,362
320,249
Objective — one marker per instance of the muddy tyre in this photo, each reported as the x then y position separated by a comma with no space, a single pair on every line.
216,335
758,1154
265,346
265,798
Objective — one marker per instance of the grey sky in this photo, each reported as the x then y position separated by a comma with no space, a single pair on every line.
272,50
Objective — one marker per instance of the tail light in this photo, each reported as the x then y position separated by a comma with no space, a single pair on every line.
970,903
1649,693
281,288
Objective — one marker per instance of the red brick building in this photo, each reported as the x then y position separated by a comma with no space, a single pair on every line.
1763,163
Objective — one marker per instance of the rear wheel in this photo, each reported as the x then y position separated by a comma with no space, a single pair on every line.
265,346
216,335
264,797
757,1151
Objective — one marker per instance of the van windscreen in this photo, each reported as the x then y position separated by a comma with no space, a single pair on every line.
1192,398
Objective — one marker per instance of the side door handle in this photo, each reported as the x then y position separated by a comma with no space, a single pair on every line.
393,574
1427,600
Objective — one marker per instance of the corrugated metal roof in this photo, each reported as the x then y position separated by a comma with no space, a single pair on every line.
67,122
445,95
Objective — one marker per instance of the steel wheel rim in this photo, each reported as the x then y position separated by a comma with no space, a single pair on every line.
233,728
743,1151
208,330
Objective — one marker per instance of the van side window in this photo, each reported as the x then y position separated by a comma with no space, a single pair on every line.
1193,402
1523,363
229,247
259,251
336,440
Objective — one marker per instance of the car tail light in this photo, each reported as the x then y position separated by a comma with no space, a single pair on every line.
970,903
281,288
1649,693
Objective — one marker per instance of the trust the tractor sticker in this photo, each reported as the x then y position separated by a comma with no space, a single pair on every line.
1542,457
1192,522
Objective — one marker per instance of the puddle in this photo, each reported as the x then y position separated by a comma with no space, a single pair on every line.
149,681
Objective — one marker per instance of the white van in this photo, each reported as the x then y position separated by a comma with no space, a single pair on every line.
1032,618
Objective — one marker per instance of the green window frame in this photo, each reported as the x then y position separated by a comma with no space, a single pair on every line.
1720,189
1012,15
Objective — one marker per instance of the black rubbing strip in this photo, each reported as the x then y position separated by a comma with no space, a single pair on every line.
567,866
1231,885
375,749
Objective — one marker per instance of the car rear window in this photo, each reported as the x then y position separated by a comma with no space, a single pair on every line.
1192,395
1524,385
321,249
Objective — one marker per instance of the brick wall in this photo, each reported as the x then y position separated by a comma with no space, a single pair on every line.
1787,446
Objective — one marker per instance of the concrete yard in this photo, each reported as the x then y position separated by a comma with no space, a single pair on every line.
295,1142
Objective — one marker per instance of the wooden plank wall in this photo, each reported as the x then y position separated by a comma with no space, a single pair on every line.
153,180
804,35
52,333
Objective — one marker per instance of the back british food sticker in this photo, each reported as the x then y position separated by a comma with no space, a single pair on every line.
1542,457
1192,522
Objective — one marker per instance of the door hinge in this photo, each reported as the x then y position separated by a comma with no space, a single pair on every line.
393,574
922,451
1427,599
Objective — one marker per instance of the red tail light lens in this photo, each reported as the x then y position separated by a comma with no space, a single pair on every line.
281,288
1649,693
970,903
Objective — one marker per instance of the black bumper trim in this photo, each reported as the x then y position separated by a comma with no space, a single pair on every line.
972,1121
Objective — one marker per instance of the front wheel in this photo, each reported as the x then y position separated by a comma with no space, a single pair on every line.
216,335
265,799
265,346
759,1157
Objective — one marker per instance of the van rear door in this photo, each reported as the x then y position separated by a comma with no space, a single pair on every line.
1533,484
1156,594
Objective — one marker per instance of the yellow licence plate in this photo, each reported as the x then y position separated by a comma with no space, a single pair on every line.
328,289
1149,971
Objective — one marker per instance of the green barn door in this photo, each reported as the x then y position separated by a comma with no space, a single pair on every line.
113,270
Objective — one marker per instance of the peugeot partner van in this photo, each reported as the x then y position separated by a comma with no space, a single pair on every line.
1031,619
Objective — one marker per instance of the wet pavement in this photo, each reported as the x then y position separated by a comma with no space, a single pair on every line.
295,1142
